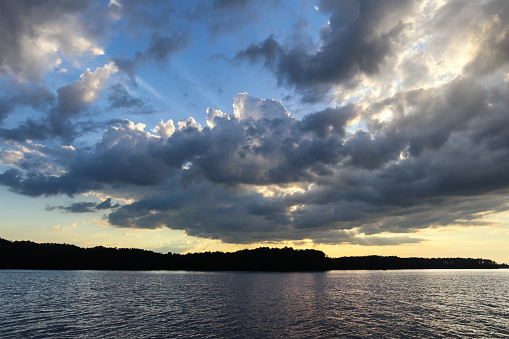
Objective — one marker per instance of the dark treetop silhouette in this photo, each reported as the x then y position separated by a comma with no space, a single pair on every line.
30,255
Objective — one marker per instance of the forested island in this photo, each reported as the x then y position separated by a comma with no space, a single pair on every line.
30,255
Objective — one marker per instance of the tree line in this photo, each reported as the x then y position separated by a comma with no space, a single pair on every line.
31,255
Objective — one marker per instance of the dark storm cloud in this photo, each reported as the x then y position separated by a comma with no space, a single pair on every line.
38,98
106,204
395,177
6,108
358,39
35,184
454,106
421,119
85,207
194,208
77,207
227,154
269,150
440,164
29,129
328,120
42,130
394,160
441,159
122,157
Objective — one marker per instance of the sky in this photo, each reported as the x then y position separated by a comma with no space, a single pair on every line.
353,127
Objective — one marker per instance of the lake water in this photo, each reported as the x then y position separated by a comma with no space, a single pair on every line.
378,304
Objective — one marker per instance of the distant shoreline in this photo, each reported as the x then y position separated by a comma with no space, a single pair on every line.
49,256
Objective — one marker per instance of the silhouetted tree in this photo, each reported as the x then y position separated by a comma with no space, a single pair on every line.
30,255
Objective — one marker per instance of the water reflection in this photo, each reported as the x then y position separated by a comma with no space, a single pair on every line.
397,304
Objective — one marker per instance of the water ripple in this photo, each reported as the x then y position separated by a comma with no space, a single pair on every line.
355,304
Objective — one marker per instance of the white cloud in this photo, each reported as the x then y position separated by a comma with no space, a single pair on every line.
245,106
40,36
91,84
81,93
189,123
61,228
212,114
164,129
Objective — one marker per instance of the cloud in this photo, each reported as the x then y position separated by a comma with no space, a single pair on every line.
418,136
142,16
358,39
224,17
329,120
161,48
36,97
77,207
212,114
34,36
29,129
33,157
76,97
383,45
228,153
5,108
333,180
246,107
352,237
164,129
106,204
35,184
485,26
59,120
260,174
61,228
85,207
120,98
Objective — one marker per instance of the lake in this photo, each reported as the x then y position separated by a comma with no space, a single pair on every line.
161,304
